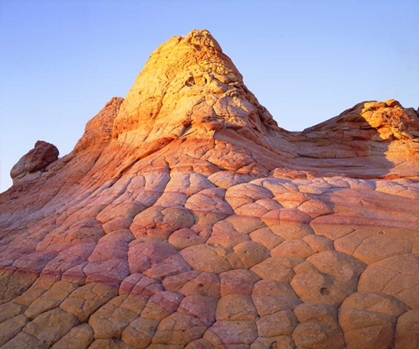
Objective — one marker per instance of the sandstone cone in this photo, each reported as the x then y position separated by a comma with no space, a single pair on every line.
186,218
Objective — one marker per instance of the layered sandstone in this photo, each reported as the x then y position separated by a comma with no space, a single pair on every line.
186,218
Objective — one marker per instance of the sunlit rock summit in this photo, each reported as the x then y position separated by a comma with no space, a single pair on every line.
185,217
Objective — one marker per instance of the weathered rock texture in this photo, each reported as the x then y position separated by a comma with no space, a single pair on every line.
186,218
35,161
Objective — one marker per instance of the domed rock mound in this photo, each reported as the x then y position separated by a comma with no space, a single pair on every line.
186,218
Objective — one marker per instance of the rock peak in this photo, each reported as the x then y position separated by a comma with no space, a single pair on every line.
202,37
189,88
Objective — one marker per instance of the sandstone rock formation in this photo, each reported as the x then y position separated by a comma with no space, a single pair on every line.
186,218
36,160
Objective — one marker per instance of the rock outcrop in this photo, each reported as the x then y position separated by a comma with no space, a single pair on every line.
190,87
37,159
99,129
186,218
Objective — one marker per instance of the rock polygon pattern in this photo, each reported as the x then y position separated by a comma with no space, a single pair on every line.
180,223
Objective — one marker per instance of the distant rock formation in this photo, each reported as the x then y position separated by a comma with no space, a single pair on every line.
380,121
185,217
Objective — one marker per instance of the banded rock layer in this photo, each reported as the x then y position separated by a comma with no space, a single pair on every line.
186,218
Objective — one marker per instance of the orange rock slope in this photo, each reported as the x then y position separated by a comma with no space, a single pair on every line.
186,218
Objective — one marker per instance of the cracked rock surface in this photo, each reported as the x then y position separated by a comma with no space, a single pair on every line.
186,218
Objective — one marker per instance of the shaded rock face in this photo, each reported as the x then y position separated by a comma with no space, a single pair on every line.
186,218
98,130
35,160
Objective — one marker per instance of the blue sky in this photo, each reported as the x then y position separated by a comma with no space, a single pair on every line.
306,61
